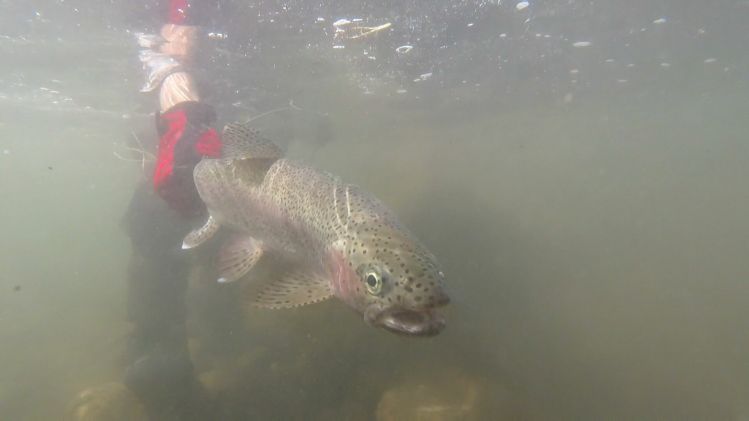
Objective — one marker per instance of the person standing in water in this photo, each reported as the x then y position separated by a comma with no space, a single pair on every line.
160,381
161,373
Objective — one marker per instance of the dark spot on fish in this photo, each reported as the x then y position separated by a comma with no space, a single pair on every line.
16,288
418,285
409,289
417,298
49,168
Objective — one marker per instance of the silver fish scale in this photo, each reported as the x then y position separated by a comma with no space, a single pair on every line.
332,210
294,208
309,199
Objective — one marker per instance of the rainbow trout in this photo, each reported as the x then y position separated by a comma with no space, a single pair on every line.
345,243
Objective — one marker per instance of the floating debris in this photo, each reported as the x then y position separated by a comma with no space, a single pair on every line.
424,76
356,32
503,35
403,49
659,21
522,5
341,22
622,80
710,60
582,44
470,24
664,64
338,47
320,19
6,152
574,71
401,91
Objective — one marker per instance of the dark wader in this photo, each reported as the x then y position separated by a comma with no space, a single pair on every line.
160,372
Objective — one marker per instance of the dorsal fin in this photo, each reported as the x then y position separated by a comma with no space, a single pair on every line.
240,140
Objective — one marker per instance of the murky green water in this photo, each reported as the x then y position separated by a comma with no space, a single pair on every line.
590,215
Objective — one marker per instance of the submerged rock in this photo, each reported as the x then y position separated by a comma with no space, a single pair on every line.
107,402
446,397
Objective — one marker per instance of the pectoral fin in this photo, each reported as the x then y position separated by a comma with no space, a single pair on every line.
237,257
199,236
293,290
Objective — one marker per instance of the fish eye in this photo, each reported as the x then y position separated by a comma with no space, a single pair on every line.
374,282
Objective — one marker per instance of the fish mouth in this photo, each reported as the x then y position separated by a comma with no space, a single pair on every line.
426,322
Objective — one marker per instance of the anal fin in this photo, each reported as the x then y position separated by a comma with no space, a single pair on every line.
198,236
294,289
237,257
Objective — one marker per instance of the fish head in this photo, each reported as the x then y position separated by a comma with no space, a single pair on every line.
395,282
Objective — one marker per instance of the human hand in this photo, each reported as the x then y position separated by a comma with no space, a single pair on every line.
179,41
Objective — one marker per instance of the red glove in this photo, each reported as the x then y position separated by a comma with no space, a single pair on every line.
186,136
178,10
189,12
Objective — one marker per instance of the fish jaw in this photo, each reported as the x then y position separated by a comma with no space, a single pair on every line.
424,322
